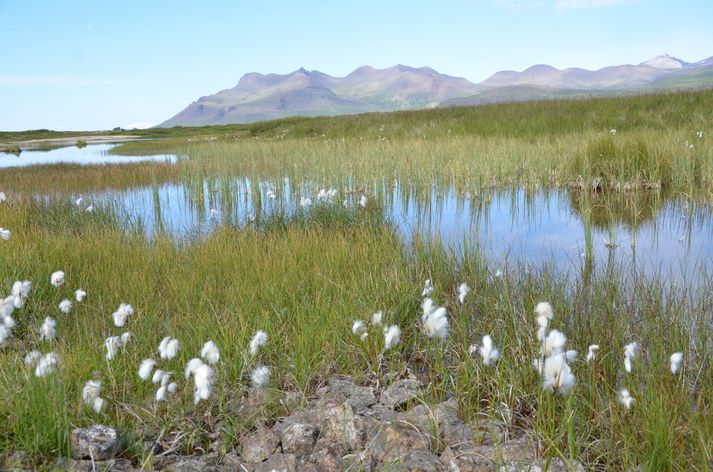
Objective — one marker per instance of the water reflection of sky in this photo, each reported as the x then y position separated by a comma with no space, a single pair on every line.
92,154
510,226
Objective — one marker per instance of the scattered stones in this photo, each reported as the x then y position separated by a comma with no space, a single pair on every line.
278,463
346,428
400,393
299,438
98,442
260,445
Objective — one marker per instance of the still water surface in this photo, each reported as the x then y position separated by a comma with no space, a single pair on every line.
670,236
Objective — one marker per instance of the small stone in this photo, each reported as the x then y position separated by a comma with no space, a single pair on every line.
299,438
346,428
394,441
16,461
278,463
400,393
357,396
97,442
421,460
260,445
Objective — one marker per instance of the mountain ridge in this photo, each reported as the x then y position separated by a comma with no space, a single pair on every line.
302,92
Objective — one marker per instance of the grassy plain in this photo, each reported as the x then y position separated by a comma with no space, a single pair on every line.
304,279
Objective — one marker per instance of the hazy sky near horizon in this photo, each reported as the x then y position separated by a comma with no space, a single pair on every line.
96,65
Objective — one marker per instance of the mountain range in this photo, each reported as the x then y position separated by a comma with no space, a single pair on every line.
259,97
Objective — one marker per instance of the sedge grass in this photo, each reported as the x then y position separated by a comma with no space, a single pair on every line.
304,282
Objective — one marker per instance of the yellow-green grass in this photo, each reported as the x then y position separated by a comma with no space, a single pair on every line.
304,281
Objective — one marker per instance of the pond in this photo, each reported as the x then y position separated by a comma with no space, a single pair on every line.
91,154
665,235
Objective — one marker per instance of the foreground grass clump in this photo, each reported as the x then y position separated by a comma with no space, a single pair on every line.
304,282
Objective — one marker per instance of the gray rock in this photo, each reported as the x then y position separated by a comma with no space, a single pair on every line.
209,463
72,465
346,428
327,457
421,460
453,462
260,445
278,463
97,442
400,393
394,441
16,461
299,438
357,396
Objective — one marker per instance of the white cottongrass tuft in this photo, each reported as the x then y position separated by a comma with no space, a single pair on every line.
358,327
20,291
676,359
257,341
626,399
145,368
557,375
463,290
5,234
91,395
305,202
488,351
260,376
57,278
435,323
168,348
192,366
32,358
363,201
427,288
544,313
3,197
210,353
203,378
5,334
376,318
592,352
48,330
631,350
554,342
392,336
114,344
157,376
65,306
47,364
80,295
122,314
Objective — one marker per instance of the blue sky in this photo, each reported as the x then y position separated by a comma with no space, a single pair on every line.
98,64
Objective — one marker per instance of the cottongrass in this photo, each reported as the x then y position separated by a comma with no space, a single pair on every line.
57,279
91,395
48,330
210,353
676,360
5,234
631,351
80,295
168,347
592,352
65,306
260,376
122,314
435,320
47,364
392,336
257,342
114,344
463,290
488,352
145,368
625,398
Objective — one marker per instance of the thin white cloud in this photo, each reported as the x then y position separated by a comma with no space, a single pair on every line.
21,80
139,125
529,5
572,4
